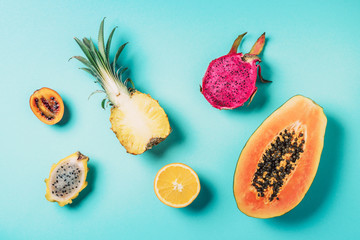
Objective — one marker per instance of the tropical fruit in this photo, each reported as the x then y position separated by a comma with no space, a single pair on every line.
176,185
230,80
279,162
66,179
47,105
137,119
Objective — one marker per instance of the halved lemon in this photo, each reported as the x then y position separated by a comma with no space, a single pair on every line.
176,185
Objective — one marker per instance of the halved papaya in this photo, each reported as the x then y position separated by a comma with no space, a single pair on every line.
47,105
279,162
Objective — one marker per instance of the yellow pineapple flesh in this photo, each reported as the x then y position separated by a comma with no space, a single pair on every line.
139,124
137,119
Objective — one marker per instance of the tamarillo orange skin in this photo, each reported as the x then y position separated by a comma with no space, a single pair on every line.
47,105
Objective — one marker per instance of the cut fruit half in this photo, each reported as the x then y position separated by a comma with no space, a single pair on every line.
47,105
140,124
176,185
138,120
67,179
279,161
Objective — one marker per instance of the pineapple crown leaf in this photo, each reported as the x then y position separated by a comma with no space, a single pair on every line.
87,53
97,58
91,72
97,63
103,103
101,44
132,83
94,92
97,55
120,72
121,48
108,43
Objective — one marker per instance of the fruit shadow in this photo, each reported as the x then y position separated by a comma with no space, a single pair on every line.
91,179
175,137
204,198
326,176
66,117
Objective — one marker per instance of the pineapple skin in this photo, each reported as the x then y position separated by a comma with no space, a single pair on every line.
140,126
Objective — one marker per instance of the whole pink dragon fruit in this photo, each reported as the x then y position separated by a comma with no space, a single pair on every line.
230,80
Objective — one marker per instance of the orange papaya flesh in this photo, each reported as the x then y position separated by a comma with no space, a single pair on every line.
279,162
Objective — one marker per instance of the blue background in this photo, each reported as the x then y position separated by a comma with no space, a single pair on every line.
312,49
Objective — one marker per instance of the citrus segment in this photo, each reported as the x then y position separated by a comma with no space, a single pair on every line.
176,185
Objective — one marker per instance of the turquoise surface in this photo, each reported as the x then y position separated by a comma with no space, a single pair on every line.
312,49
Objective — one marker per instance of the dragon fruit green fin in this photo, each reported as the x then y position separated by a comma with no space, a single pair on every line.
258,46
236,43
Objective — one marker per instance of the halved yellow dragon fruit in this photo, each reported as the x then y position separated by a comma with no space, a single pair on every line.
66,179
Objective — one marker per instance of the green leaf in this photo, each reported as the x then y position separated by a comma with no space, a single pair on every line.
108,44
86,63
129,80
97,55
90,71
108,103
101,44
97,91
93,52
120,71
87,53
92,48
117,56
86,42
96,61
103,103
97,77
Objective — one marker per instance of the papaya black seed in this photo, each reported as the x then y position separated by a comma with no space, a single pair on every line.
269,174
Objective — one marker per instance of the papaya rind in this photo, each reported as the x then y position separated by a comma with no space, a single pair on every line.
301,197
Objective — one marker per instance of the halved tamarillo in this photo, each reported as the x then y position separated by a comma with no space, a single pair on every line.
47,105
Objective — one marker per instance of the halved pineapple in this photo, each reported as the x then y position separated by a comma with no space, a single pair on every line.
137,120
141,124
